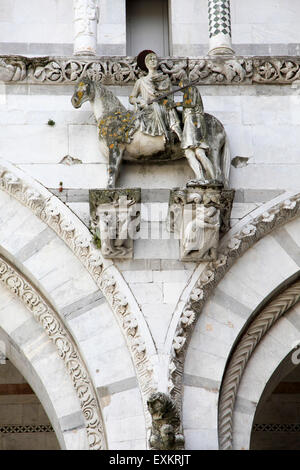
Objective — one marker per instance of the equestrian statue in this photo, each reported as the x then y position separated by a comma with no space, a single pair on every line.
158,128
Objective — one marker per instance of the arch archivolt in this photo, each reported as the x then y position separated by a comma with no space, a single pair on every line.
84,291
228,294
263,346
67,350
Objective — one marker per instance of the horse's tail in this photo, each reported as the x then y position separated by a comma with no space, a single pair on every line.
226,162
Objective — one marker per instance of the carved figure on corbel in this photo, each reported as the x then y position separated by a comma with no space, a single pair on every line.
115,218
166,431
199,215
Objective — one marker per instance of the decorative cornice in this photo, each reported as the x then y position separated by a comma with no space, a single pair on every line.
231,250
25,428
236,70
241,355
15,282
78,238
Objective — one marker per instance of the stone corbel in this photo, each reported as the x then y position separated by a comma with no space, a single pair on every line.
115,220
166,431
199,216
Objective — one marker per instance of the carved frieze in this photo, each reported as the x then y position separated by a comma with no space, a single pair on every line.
115,220
124,71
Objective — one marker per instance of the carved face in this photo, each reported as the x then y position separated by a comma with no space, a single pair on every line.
151,61
81,94
156,407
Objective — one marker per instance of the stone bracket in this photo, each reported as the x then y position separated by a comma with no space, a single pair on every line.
209,70
115,220
200,215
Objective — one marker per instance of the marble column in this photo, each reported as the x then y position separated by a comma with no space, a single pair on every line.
86,16
219,27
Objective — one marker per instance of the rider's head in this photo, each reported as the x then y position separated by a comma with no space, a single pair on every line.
146,59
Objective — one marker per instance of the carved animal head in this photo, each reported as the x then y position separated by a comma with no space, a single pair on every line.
84,91
161,406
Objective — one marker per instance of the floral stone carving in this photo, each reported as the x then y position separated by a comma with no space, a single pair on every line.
165,432
115,219
199,214
216,70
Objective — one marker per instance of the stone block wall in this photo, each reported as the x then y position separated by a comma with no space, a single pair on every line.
45,27
262,123
258,28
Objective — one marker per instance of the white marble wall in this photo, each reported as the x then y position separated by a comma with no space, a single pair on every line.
262,123
26,27
41,27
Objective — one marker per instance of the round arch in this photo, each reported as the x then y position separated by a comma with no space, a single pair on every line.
246,285
47,244
274,349
30,349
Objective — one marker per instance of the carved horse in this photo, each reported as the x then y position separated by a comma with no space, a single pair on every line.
121,138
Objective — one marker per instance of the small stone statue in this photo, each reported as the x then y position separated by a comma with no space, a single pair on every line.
165,432
160,117
202,234
194,136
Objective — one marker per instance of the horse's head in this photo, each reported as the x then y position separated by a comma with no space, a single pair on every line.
84,91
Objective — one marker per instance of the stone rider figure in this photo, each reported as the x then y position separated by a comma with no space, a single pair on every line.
158,118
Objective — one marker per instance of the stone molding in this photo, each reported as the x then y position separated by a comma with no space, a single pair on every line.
25,428
269,218
236,70
241,355
78,238
16,283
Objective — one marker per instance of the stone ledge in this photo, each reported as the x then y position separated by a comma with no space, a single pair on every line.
122,70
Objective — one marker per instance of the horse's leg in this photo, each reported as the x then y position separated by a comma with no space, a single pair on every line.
205,162
194,164
115,158
216,154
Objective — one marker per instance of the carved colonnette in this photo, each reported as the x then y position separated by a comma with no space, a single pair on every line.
237,70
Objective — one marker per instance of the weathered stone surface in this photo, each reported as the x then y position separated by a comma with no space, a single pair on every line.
123,70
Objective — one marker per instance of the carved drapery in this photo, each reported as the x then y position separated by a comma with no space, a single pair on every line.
85,27
219,21
216,70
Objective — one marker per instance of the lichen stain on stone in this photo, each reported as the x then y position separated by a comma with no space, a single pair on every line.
208,327
239,162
